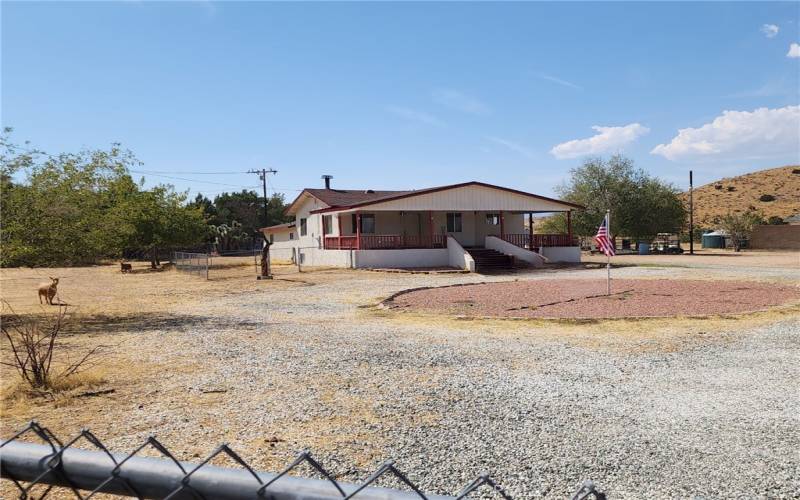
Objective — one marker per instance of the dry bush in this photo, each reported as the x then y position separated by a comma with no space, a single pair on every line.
34,345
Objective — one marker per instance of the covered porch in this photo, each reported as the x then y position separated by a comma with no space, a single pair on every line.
396,230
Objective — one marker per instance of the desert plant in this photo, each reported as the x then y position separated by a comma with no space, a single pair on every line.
34,345
775,221
739,226
766,197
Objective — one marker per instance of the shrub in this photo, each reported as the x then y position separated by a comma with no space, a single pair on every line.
731,189
766,197
34,345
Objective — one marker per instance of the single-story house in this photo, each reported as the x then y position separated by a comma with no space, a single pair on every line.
279,232
469,225
281,238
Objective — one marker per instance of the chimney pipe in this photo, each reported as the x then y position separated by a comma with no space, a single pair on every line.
327,179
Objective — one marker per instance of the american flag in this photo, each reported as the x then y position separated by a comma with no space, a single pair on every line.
603,243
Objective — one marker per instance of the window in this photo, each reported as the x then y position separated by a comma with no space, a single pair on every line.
367,223
271,238
291,236
303,227
327,224
453,222
492,219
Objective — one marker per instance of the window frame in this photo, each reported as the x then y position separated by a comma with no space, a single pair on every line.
327,225
456,227
354,219
291,235
493,219
303,226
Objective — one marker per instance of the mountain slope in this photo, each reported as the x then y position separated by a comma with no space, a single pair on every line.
749,191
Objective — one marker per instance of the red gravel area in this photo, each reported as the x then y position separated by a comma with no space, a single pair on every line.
587,299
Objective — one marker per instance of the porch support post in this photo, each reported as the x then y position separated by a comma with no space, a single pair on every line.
358,230
502,226
339,223
569,225
430,227
530,231
324,231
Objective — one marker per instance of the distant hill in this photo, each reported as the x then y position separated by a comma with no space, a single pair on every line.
773,192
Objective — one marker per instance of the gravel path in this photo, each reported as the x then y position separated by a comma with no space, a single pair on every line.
659,409
581,299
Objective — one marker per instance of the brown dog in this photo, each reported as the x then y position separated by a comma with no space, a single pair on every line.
48,290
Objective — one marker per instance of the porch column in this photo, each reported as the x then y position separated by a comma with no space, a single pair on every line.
339,223
324,232
502,226
358,230
569,225
430,227
530,231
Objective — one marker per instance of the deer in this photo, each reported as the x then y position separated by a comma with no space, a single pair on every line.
48,290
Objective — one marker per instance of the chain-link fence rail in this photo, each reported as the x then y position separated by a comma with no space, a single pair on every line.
55,466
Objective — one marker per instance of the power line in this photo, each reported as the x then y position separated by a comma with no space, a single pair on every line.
190,173
191,180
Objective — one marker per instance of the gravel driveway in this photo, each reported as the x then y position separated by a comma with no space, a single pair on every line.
660,409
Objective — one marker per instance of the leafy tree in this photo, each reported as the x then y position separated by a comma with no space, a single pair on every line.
235,218
159,219
78,208
641,206
739,226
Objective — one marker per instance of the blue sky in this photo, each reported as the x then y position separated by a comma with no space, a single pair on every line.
406,95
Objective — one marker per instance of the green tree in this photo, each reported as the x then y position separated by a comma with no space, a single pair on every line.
641,205
739,226
78,208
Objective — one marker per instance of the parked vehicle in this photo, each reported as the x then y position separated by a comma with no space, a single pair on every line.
666,243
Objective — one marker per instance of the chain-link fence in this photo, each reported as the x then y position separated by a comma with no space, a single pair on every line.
191,262
56,466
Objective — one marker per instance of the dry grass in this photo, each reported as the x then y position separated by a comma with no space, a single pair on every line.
738,194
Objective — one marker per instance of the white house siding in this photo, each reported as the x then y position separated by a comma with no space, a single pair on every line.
458,257
562,254
407,258
469,198
315,257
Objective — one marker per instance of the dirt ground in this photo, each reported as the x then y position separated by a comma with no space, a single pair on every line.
308,360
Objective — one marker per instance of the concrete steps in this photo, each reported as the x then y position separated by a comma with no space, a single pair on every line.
487,259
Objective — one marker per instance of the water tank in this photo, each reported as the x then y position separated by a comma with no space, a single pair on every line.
711,240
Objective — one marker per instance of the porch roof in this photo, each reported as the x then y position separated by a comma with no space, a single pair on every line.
386,200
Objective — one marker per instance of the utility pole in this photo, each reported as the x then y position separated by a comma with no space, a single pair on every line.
262,174
691,216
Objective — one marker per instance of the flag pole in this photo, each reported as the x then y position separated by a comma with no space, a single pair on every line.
608,254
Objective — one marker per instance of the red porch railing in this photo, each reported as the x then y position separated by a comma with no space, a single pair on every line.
541,240
384,242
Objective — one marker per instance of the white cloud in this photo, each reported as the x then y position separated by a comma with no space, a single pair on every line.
513,146
606,139
415,115
565,83
460,101
759,133
794,51
770,30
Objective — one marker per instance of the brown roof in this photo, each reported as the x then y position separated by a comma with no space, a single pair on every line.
277,227
347,197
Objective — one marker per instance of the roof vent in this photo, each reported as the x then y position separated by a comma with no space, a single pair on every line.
369,191
327,179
